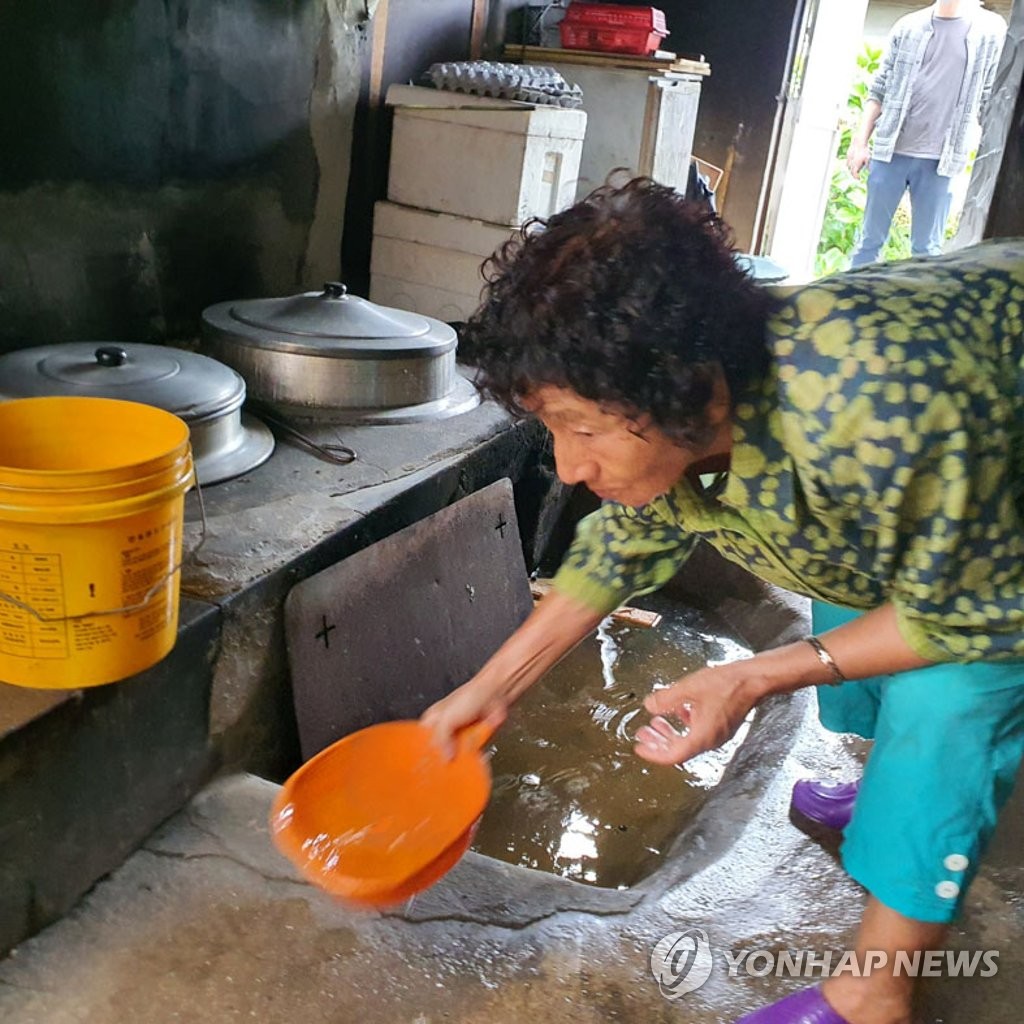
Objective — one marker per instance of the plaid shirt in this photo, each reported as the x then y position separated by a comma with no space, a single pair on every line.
894,83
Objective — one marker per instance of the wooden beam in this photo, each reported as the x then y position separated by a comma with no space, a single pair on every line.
549,55
629,616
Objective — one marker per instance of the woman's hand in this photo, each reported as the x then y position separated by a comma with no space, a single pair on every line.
554,627
712,703
470,703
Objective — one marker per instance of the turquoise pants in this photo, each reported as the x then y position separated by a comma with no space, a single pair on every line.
948,740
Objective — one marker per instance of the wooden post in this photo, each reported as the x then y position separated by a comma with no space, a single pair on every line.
377,45
478,29
730,158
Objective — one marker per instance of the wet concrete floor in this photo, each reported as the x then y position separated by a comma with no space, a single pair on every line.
207,924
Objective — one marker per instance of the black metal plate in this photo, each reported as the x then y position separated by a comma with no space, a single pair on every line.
393,628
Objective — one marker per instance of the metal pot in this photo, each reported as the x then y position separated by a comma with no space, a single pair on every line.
331,355
207,395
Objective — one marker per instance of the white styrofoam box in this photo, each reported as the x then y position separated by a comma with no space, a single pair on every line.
399,95
499,162
436,257
427,264
466,236
422,298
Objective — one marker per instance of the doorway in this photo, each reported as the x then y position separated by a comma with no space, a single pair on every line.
835,34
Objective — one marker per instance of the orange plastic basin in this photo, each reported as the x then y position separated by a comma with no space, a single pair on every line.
380,815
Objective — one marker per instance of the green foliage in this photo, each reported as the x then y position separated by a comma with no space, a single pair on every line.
847,195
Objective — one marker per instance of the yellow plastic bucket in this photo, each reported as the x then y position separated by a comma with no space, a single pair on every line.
92,495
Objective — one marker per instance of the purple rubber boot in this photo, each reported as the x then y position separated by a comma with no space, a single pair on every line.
807,1006
825,805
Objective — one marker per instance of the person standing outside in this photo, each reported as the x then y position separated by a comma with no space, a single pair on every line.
934,83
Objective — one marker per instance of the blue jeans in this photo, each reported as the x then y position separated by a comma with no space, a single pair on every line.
930,197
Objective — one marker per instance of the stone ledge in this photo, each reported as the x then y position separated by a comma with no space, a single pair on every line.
85,776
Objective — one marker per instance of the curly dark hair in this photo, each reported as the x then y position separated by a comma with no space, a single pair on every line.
633,299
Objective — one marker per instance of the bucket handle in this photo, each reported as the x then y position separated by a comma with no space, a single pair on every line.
149,595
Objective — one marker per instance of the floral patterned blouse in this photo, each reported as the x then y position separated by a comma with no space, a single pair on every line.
881,460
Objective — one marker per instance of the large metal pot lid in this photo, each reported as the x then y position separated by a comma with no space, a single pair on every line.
331,323
206,394
187,384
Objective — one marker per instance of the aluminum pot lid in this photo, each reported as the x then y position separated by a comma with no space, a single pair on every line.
331,323
187,384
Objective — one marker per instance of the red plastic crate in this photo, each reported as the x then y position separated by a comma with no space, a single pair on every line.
612,28
616,16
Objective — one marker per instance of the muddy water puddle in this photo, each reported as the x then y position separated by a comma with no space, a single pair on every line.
570,796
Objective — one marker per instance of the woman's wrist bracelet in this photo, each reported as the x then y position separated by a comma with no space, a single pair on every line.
826,659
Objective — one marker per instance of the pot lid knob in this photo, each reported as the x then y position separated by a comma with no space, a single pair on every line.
111,355
335,290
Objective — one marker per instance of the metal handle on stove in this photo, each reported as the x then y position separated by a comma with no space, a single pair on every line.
340,454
